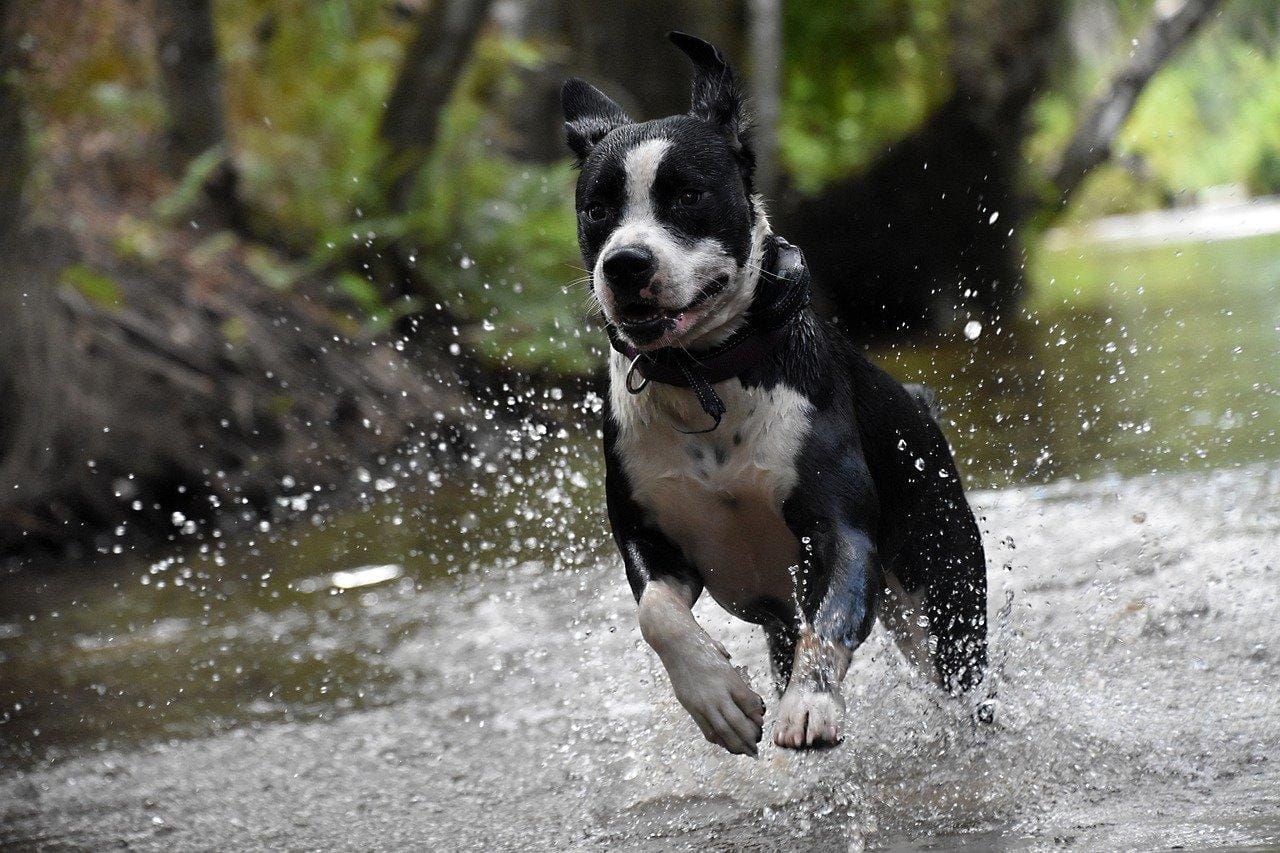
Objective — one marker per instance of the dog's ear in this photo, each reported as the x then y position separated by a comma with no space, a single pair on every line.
589,115
717,97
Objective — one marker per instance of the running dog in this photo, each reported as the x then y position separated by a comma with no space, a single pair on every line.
750,450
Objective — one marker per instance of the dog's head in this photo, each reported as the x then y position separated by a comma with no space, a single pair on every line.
667,221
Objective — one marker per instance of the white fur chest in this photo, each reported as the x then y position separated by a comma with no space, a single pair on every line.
718,496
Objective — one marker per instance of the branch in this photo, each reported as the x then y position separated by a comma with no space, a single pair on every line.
1090,146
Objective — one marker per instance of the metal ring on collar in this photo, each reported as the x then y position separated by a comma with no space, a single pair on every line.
635,363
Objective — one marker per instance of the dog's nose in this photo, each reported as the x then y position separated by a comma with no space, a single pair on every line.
629,269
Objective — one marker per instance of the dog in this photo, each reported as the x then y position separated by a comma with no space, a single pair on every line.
750,449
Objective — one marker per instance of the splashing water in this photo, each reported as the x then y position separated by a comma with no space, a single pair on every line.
457,664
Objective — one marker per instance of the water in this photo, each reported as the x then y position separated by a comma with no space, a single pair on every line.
493,690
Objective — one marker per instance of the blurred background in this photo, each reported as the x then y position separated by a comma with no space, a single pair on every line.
294,349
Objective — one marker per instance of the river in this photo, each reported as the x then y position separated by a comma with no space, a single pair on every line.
457,664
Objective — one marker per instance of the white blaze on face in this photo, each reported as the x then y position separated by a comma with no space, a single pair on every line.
683,271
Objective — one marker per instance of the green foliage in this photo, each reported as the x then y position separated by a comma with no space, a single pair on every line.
1210,117
137,240
379,317
188,191
306,80
495,238
501,236
274,271
93,285
1265,177
856,80
85,71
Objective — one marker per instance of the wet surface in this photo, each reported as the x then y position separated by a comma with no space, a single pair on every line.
458,663
1137,708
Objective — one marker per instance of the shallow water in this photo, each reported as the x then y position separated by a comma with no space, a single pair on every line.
492,688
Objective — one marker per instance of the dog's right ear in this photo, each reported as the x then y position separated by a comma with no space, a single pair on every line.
589,115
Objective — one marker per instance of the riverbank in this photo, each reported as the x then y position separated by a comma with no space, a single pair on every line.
1137,709
1206,223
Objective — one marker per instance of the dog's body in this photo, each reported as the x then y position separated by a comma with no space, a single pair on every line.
805,490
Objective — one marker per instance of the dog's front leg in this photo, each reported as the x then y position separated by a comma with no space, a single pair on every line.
811,712
719,699
665,585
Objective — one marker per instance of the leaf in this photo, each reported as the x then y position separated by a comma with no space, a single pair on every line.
360,291
189,190
268,266
97,287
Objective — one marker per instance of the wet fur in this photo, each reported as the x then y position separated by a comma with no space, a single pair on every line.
827,493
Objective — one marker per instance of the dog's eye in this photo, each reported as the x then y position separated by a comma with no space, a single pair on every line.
690,198
596,213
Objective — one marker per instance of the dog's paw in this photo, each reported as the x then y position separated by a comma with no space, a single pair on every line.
722,703
808,718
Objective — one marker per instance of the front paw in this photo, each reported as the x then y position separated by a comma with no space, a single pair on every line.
722,703
809,718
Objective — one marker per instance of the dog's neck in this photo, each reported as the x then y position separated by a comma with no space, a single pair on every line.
729,317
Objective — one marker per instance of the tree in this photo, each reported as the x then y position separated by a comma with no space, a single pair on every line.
929,231
428,76
191,83
1172,26
766,89
13,138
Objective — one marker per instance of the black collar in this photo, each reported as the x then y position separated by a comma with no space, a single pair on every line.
782,294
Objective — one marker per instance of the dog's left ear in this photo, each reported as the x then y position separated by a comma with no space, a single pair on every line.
589,116
717,97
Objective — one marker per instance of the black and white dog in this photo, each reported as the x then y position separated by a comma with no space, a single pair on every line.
750,450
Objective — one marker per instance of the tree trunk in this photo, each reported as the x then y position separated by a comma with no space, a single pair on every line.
428,76
13,133
533,114
191,82
766,89
13,172
1091,144
190,77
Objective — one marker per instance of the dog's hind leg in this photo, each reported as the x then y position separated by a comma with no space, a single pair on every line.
936,606
956,604
904,616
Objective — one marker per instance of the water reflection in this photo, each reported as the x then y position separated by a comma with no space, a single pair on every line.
1126,362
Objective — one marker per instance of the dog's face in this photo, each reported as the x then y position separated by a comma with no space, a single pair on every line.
666,219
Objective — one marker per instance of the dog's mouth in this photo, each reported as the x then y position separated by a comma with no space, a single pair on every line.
646,322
